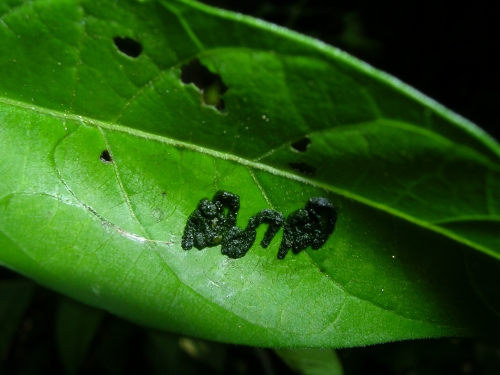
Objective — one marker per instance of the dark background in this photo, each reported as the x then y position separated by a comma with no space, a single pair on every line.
444,49
448,50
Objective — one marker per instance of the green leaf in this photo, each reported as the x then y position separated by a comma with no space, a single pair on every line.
15,297
312,361
105,153
76,327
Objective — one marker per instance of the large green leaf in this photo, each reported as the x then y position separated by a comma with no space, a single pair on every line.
415,185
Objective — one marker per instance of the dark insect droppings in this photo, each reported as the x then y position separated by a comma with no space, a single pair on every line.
208,224
208,83
301,145
213,223
303,168
106,157
128,46
309,226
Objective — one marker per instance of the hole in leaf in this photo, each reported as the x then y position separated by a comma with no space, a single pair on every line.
303,168
106,157
301,145
210,84
128,46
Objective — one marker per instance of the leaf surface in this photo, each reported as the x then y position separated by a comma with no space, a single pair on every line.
106,154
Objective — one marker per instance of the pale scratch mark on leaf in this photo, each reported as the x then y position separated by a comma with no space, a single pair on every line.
247,306
137,238
213,283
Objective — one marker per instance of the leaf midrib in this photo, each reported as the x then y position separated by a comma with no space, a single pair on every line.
252,164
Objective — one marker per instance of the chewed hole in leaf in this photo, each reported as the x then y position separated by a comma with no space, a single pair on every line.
301,145
128,46
303,168
106,157
210,84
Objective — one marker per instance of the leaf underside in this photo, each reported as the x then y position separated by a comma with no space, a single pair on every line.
105,153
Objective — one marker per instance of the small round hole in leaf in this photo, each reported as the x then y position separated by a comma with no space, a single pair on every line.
303,168
208,83
301,145
128,46
106,157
